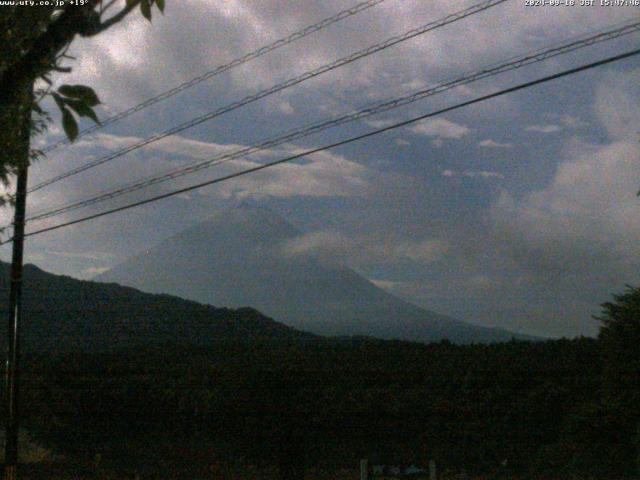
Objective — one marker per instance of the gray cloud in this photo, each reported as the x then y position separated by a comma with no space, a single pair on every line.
361,250
489,143
548,128
590,207
129,62
534,243
472,174
440,128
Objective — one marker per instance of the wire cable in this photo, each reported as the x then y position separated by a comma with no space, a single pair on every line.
336,144
277,88
308,30
489,71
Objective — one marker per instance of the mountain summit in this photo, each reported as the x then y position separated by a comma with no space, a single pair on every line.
240,258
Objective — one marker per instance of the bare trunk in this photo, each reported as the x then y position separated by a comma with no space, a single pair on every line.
12,384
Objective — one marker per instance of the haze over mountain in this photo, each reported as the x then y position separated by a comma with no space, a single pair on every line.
64,314
243,257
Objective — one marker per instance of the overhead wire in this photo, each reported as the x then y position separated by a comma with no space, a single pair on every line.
448,19
485,72
482,98
308,30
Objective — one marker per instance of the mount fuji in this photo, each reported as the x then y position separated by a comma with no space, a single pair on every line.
239,258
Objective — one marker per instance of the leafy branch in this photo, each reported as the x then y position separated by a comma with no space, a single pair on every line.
79,99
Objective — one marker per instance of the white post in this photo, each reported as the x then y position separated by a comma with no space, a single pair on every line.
364,469
432,470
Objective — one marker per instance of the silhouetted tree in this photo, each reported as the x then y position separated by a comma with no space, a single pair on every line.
620,341
35,40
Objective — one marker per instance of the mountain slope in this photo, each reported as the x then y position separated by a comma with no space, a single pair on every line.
240,258
62,313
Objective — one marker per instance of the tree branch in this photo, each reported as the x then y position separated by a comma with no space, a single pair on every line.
43,52
104,8
116,18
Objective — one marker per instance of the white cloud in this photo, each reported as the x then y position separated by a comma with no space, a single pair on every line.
356,250
481,174
470,285
572,122
587,217
320,175
389,285
324,175
137,59
472,174
488,143
52,134
401,142
426,251
174,144
617,108
93,271
82,255
440,128
286,108
548,128
381,123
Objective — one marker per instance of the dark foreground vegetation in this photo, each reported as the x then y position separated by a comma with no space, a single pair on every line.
277,404
543,410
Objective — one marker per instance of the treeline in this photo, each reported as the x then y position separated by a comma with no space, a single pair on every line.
185,385
537,409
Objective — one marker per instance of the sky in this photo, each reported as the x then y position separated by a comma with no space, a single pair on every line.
519,212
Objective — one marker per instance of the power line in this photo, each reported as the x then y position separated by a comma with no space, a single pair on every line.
337,144
308,30
516,62
489,71
277,88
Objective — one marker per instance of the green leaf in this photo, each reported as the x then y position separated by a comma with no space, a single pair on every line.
69,124
82,109
145,8
160,4
81,92
59,100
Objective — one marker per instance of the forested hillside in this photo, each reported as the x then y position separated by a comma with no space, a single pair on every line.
65,314
531,409
154,384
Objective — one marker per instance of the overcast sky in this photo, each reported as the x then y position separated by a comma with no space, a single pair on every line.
519,212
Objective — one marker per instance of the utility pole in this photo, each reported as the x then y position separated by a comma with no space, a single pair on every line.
13,329
15,300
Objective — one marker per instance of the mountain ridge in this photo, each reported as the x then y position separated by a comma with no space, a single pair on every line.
61,313
238,257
